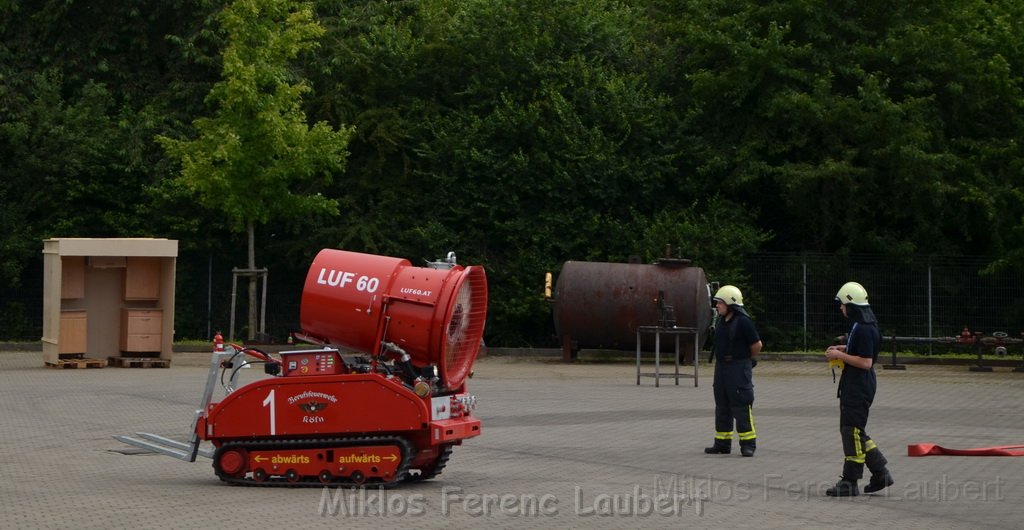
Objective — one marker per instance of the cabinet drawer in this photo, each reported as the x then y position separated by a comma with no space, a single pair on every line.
141,330
140,343
144,322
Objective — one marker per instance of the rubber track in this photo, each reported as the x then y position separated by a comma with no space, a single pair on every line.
442,460
327,443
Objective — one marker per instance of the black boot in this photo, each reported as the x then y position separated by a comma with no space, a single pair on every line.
879,481
748,448
843,488
880,477
721,447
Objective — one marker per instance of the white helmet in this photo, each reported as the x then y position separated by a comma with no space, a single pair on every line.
730,295
852,293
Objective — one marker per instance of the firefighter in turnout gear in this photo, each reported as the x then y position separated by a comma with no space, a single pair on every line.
856,392
736,347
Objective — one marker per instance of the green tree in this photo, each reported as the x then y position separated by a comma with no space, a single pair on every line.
519,134
719,232
257,159
851,126
61,177
84,87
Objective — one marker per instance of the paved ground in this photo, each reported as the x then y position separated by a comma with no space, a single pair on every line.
562,446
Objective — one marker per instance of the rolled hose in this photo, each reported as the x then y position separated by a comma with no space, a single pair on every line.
403,359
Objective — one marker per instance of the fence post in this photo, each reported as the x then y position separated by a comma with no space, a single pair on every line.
930,333
805,304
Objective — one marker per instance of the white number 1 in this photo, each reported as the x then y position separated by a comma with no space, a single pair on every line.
273,417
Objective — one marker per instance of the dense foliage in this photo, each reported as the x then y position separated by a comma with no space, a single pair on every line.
523,134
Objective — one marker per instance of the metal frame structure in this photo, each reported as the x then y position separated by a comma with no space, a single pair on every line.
188,451
675,332
235,273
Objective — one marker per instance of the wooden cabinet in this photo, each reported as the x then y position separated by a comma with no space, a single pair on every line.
103,277
141,330
72,277
73,337
142,279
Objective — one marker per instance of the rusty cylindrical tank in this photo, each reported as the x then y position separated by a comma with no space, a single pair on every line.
600,305
359,301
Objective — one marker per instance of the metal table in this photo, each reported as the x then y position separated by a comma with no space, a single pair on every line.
675,332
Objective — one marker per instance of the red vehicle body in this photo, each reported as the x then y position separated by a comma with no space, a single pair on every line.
382,399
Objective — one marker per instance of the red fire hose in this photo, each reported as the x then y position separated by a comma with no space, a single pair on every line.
932,450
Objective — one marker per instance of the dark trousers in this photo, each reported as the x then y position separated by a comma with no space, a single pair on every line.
734,399
858,448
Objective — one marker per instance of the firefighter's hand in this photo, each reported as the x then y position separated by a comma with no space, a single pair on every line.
834,352
753,363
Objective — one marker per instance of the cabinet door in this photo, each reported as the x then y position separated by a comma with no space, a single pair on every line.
142,279
73,338
72,277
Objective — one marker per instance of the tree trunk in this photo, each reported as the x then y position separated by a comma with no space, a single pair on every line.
250,228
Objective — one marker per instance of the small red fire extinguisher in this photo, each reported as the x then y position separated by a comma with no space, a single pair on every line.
218,342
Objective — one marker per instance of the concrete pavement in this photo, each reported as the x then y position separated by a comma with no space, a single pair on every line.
562,446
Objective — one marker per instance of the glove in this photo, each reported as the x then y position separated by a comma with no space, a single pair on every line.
753,363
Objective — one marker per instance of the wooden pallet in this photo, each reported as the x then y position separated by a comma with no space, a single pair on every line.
139,362
77,363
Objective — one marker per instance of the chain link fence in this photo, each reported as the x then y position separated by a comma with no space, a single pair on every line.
792,297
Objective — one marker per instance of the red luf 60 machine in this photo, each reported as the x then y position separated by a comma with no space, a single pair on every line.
382,398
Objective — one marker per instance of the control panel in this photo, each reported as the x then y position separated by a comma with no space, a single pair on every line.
311,362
